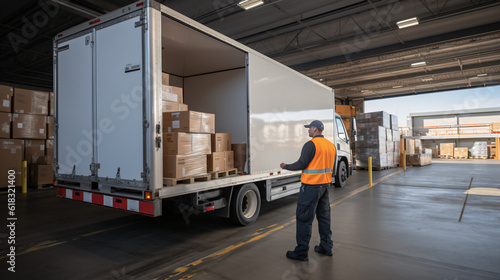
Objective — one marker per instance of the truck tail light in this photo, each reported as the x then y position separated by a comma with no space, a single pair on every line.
148,195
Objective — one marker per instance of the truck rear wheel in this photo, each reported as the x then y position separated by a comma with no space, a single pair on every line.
245,204
341,176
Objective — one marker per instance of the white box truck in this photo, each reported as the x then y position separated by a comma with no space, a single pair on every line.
108,113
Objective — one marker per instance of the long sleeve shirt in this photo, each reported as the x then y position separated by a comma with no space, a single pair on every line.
306,156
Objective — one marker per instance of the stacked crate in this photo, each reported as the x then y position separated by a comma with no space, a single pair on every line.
447,150
26,132
379,138
416,154
479,150
191,147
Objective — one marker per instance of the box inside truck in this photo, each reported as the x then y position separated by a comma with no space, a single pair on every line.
211,73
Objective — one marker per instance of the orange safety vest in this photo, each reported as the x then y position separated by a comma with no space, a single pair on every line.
320,169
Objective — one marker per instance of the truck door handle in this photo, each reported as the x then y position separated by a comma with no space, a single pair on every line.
338,146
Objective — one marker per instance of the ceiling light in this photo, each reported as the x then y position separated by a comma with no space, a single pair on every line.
366,91
482,75
397,86
417,64
427,79
321,80
249,4
473,78
407,22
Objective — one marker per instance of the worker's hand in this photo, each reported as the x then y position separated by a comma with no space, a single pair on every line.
282,165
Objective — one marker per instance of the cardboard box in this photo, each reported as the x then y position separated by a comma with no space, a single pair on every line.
33,150
169,106
180,143
461,153
171,93
229,160
50,127
51,103
49,152
419,159
221,142
409,146
189,121
184,166
165,79
6,94
345,110
240,156
11,155
29,126
373,119
447,149
31,102
492,151
5,124
40,174
216,162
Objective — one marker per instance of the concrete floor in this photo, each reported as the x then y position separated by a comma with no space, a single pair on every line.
404,227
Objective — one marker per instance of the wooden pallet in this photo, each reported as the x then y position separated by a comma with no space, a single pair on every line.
460,157
170,182
224,173
478,157
446,156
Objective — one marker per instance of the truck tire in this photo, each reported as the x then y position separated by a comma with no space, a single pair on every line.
245,205
341,176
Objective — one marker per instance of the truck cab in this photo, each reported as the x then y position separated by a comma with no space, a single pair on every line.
343,166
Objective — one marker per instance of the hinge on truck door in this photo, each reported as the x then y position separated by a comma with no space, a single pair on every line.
142,22
158,142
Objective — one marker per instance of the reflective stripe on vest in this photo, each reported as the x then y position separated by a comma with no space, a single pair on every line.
319,171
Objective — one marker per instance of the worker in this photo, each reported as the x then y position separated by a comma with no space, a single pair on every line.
317,162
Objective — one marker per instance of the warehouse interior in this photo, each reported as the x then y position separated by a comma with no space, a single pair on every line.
422,201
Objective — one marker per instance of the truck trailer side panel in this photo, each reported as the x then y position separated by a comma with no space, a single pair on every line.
281,101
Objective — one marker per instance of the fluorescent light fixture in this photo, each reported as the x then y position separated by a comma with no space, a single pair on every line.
397,86
249,4
366,91
482,75
473,78
417,64
427,79
407,22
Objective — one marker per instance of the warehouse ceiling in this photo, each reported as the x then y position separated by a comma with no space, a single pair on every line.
353,46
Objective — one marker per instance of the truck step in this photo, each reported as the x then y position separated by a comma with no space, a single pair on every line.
224,173
170,182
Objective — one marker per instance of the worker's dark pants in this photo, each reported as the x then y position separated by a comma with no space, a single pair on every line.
313,199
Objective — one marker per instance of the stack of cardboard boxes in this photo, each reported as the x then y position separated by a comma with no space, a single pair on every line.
479,150
27,133
191,147
447,150
416,154
379,138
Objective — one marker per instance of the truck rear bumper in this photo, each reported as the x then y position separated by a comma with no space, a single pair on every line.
146,208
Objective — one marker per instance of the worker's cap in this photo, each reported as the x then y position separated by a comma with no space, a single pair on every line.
315,123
